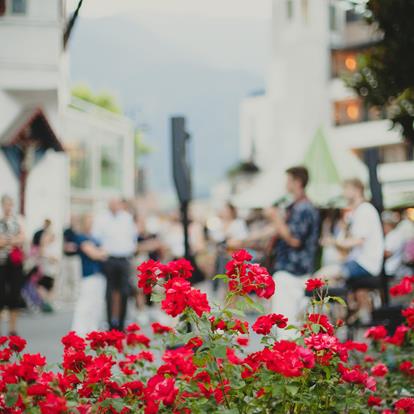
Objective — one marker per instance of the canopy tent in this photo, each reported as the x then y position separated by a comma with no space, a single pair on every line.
329,165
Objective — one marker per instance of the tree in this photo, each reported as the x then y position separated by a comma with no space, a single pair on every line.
104,99
385,75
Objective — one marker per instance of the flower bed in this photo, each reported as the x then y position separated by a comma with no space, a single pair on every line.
208,369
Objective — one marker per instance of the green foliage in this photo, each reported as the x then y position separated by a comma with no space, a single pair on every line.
385,76
103,99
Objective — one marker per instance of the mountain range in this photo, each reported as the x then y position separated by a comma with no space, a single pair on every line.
159,66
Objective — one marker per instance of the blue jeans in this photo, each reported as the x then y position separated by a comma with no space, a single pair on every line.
353,270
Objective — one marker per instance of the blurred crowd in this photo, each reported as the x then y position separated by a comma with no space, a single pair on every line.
93,267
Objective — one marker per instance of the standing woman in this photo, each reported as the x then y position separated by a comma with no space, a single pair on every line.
11,262
90,305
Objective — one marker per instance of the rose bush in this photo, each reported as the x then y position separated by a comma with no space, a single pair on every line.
203,365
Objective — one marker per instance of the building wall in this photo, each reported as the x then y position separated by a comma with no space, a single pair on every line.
8,181
47,194
298,77
31,59
94,134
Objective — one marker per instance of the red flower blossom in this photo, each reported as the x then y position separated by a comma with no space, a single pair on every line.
409,315
241,256
71,340
232,357
405,287
16,343
148,275
198,302
159,329
405,404
53,404
136,339
356,346
242,341
181,268
407,368
379,370
133,327
356,375
374,401
264,323
376,332
399,336
160,389
312,284
322,321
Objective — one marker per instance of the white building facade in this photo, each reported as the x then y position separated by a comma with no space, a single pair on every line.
55,158
314,42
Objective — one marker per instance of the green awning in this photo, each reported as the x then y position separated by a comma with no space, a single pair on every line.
329,165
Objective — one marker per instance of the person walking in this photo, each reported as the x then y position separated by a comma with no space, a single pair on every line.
116,231
11,262
89,307
297,233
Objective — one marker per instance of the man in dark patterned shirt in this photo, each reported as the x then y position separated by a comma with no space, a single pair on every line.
297,241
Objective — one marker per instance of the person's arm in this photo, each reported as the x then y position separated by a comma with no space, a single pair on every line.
348,243
92,251
149,245
283,231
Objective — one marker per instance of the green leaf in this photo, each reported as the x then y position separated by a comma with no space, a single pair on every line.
222,276
12,395
292,389
337,299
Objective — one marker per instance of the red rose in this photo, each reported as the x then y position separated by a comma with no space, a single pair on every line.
71,340
53,404
399,336
407,368
376,332
379,370
16,343
181,268
148,275
232,357
322,321
136,339
405,404
264,323
157,328
241,256
405,287
242,341
161,389
374,401
198,302
409,315
312,284
133,327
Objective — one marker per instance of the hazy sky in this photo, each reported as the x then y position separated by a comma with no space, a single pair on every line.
258,9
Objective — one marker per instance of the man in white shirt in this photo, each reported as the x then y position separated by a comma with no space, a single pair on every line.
116,231
364,243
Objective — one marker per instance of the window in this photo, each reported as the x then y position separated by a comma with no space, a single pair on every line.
343,61
111,163
80,161
289,9
333,23
18,6
348,112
